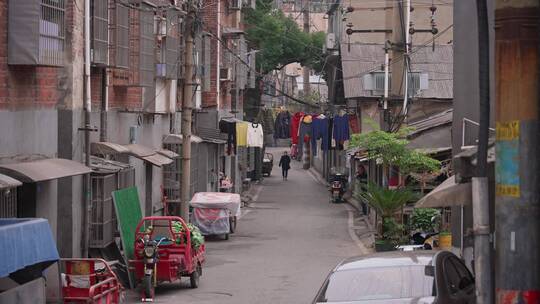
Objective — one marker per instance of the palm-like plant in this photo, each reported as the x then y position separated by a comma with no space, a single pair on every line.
386,201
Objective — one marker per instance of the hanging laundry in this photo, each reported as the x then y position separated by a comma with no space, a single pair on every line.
304,132
295,124
282,125
229,127
241,134
255,135
341,129
353,123
320,130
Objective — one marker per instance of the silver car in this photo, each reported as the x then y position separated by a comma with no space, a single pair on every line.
399,277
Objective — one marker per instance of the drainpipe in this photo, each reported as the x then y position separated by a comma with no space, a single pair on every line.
104,106
87,110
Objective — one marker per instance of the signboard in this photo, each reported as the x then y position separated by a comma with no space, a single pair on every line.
507,166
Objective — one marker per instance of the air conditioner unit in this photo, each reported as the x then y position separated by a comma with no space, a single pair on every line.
235,4
250,3
330,41
225,74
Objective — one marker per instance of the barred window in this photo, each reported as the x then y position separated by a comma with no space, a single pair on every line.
172,43
100,32
121,31
147,43
52,32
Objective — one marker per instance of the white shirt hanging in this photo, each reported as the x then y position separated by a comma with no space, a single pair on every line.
255,136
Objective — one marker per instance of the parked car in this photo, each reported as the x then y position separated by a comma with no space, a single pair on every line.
399,277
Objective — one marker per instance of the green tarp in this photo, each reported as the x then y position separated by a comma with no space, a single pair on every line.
128,213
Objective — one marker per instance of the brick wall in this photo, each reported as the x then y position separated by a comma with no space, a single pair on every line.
24,87
209,16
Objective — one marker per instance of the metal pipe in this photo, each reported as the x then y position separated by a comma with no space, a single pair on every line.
85,238
104,106
386,60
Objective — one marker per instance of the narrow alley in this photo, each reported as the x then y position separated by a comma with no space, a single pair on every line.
285,245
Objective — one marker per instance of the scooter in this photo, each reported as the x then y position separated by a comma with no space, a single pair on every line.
337,191
426,239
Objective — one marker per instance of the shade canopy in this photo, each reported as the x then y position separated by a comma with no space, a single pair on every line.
105,147
177,139
8,182
43,170
157,159
168,153
447,194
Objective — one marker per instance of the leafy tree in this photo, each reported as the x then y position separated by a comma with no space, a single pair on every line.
280,39
391,150
421,219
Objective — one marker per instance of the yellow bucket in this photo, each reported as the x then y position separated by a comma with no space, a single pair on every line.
445,240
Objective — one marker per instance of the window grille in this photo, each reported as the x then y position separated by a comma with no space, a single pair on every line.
52,32
100,32
172,43
147,43
122,36
206,63
8,203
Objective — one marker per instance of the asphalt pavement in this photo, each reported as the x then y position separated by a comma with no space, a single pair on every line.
285,244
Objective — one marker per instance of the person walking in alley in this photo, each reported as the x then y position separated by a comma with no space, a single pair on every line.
285,164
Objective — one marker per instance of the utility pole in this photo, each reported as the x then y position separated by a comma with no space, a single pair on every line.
517,182
480,185
187,108
400,34
306,85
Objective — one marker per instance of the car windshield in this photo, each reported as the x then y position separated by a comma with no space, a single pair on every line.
378,284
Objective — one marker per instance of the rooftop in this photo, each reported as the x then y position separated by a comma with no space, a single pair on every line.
360,59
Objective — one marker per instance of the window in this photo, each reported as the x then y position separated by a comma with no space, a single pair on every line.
146,47
100,32
121,32
52,32
172,44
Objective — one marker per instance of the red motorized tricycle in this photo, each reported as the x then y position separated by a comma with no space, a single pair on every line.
89,281
164,252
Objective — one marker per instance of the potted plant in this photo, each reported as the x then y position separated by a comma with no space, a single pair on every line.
387,202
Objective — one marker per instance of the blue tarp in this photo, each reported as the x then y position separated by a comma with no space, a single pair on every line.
25,242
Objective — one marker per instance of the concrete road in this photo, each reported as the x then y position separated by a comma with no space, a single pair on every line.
285,245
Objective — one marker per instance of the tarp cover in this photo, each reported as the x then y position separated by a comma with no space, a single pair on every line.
25,242
211,221
220,200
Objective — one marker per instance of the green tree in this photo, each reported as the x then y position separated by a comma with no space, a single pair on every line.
391,149
280,39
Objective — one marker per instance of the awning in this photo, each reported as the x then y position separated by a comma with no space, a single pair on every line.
168,153
157,159
104,147
43,170
212,135
8,182
177,139
447,194
148,154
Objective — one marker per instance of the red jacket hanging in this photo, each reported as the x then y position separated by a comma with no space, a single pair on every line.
295,124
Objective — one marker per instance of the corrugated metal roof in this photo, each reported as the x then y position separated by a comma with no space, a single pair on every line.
367,58
433,121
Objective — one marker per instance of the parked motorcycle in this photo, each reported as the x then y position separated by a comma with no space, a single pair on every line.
150,260
338,184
